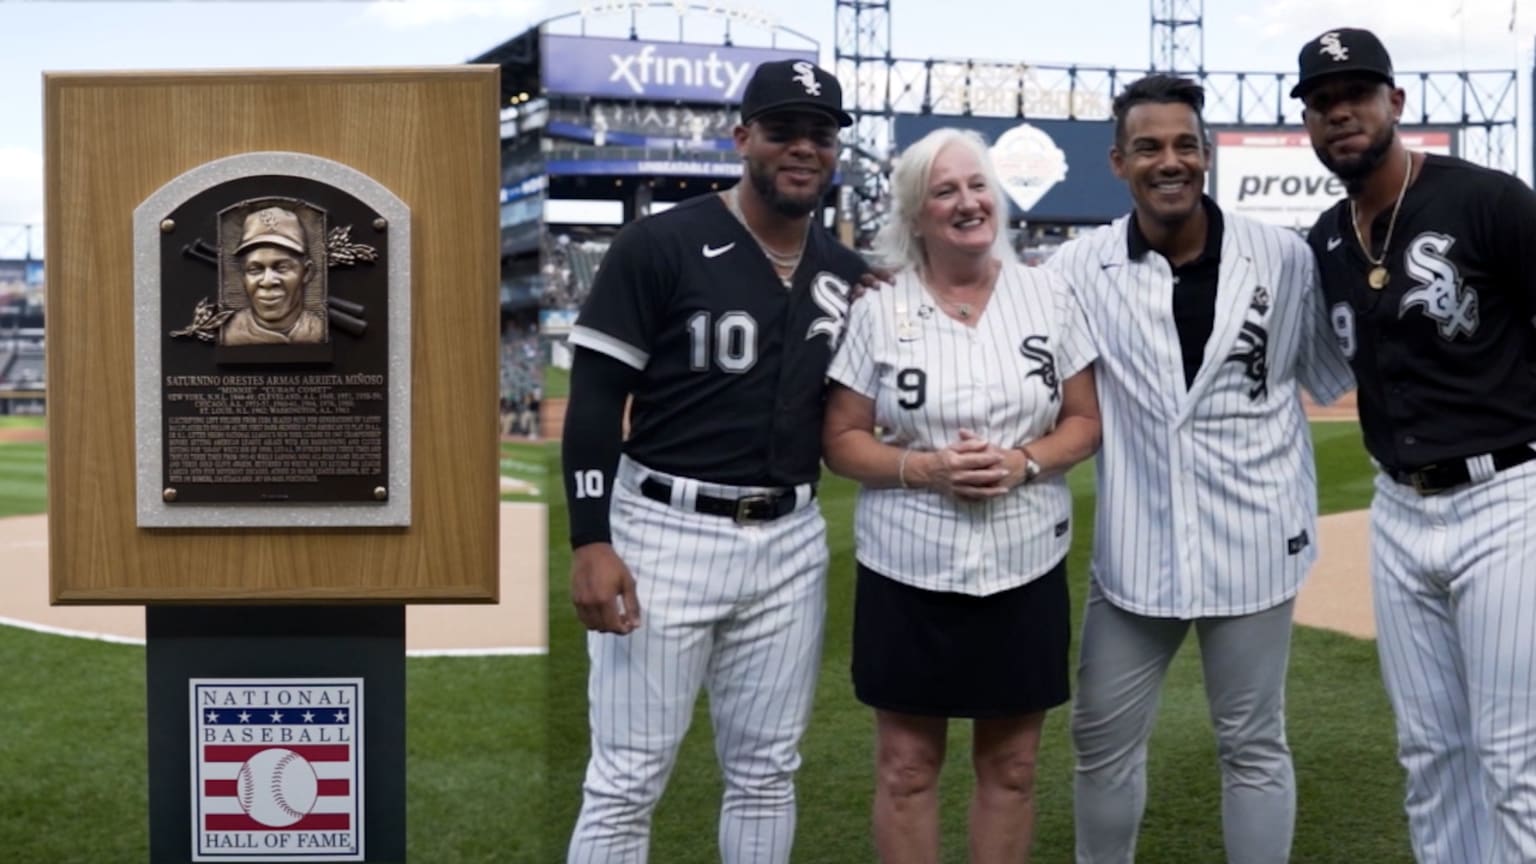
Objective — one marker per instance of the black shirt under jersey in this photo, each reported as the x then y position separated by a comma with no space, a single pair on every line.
732,364
1194,287
1445,354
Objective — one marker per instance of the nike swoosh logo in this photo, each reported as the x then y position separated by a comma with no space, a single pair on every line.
716,252
1333,243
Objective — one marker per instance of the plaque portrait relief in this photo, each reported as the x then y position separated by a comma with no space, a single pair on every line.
276,288
273,309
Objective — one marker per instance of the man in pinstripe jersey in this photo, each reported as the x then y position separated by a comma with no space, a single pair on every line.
1205,323
719,317
1429,271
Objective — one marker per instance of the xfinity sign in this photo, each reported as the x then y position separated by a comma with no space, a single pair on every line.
660,71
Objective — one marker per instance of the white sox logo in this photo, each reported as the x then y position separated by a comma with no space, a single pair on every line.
806,75
1329,44
1445,300
831,294
1034,348
1253,345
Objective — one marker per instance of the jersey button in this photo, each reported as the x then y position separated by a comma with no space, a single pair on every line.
1410,440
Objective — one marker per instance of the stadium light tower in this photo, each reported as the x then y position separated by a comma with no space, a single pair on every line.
863,65
1178,35
20,240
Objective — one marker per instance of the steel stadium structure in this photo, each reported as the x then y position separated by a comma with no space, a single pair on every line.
1472,113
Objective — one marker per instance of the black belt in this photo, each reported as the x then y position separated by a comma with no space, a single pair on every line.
759,507
1438,478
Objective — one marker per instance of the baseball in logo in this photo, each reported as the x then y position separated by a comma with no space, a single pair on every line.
1029,164
277,769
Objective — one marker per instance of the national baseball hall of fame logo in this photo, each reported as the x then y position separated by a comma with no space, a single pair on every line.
277,769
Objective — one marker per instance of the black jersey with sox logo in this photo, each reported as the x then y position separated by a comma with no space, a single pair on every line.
732,363
1445,353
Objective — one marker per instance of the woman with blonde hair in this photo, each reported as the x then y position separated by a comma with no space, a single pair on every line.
962,394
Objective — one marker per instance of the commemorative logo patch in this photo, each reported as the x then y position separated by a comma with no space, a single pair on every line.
277,769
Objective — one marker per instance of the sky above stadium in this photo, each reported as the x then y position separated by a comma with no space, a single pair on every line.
44,35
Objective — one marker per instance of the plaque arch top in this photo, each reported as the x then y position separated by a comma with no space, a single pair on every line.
157,506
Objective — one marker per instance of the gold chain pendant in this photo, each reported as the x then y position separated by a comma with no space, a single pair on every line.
1378,277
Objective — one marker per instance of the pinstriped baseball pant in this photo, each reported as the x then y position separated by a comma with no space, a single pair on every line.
1124,659
737,610
1453,580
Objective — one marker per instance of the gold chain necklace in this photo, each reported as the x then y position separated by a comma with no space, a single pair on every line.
1378,276
781,260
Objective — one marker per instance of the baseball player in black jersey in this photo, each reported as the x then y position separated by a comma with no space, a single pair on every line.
700,555
1429,270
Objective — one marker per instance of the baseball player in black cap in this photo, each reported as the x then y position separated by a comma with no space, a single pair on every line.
718,318
1429,270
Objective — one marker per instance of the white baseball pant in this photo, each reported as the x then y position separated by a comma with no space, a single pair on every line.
1124,659
735,608
1453,579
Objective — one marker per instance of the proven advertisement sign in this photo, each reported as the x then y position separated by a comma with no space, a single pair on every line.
1273,176
665,71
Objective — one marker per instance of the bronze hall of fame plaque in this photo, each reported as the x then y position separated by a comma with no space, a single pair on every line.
273,332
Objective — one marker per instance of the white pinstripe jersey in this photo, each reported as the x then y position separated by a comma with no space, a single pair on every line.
931,376
1207,495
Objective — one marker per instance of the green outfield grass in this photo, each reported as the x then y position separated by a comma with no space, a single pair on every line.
557,382
8,421
1340,726
22,486
73,739
74,746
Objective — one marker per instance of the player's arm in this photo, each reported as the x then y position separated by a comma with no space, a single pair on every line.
1513,226
602,588
1323,368
1077,433
850,446
612,337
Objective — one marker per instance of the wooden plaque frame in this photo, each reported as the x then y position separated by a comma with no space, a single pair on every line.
429,135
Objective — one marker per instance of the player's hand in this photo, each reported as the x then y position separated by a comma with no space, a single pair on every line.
969,469
1013,461
603,590
872,279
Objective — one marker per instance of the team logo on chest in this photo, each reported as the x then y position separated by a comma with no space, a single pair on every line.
1252,349
1445,300
831,295
1034,348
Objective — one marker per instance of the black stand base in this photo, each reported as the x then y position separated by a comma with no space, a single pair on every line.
285,680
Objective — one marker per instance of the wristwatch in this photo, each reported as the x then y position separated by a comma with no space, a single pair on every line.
1031,467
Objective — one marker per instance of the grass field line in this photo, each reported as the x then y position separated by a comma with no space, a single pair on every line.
516,626
72,634
478,652
113,638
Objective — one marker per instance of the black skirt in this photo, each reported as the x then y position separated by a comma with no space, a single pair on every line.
945,654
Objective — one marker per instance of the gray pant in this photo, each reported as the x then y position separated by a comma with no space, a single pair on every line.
1120,673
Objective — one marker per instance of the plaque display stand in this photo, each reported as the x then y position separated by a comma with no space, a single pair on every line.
186,643
274,501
